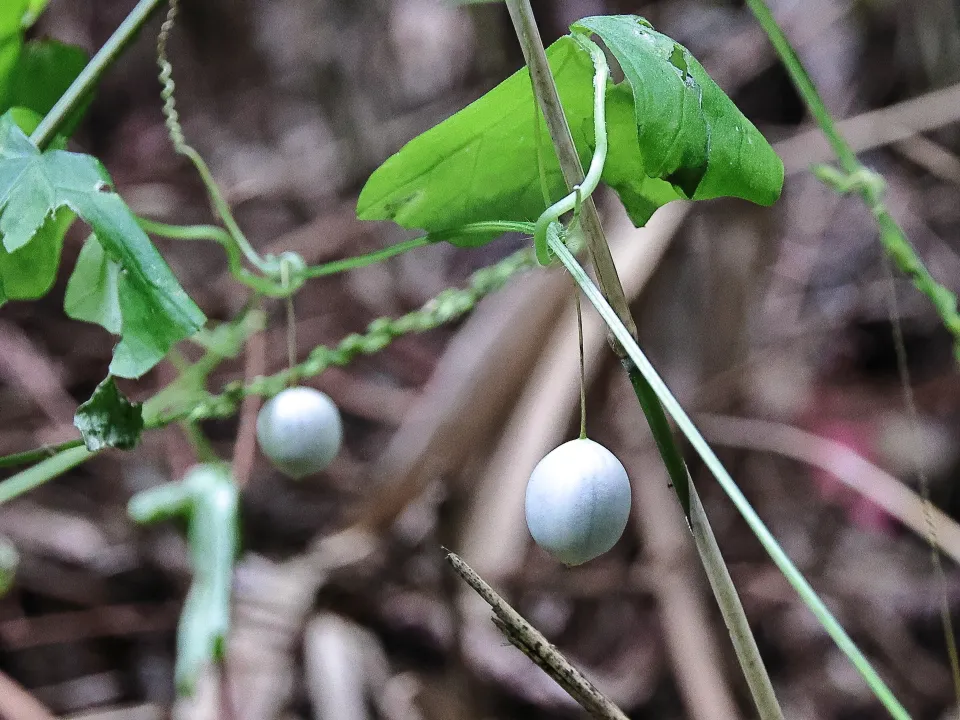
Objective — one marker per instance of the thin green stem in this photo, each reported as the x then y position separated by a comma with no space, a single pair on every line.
37,454
583,190
870,186
804,84
484,228
583,368
662,436
683,421
258,283
371,258
270,288
199,442
34,477
220,206
861,180
222,209
89,77
291,323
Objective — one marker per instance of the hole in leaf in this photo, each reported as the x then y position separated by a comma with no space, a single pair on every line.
687,179
679,61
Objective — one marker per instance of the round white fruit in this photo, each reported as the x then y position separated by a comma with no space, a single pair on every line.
299,430
578,501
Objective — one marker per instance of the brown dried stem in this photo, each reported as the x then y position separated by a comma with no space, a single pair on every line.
535,646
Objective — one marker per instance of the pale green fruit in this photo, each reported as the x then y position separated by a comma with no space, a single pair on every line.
578,501
299,430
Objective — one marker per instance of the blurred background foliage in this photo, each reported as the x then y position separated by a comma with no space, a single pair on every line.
770,325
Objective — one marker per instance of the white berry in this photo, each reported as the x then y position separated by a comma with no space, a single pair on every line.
578,501
299,430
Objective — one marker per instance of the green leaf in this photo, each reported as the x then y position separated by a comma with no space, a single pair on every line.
12,14
672,134
155,311
43,72
29,273
481,163
93,291
690,133
108,419
624,170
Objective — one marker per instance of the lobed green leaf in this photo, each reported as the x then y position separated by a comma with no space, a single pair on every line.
155,312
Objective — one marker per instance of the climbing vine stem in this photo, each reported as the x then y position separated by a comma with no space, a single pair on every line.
172,119
581,191
856,178
271,288
38,454
185,400
37,475
445,307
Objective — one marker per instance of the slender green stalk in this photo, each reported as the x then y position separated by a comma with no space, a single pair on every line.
371,258
258,283
861,180
43,471
32,456
352,263
804,84
89,77
583,367
683,421
270,288
545,91
486,227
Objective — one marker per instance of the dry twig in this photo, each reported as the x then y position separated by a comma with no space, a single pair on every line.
535,646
